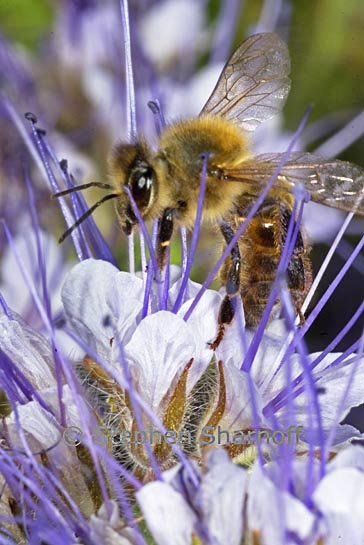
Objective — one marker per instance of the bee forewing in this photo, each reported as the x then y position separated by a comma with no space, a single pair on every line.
335,183
254,83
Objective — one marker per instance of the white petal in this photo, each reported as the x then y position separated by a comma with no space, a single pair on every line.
267,360
42,431
175,281
272,512
159,350
341,491
29,350
340,497
169,518
222,496
105,529
232,347
42,428
334,395
203,327
278,379
352,456
99,298
192,288
238,411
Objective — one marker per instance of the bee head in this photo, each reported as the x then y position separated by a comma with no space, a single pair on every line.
131,167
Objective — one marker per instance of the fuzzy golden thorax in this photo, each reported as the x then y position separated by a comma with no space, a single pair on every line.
171,177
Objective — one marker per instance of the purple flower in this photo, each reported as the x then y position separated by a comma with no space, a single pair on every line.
145,430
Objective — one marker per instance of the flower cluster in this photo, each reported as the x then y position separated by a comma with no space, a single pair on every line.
123,421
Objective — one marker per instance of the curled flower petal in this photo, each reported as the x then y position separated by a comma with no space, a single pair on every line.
100,300
107,529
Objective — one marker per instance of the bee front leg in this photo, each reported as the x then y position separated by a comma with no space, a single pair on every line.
165,232
232,285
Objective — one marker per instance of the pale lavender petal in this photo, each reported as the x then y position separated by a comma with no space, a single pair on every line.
100,300
43,432
189,98
238,414
160,348
192,288
203,327
352,456
332,384
168,516
273,513
340,498
107,529
28,349
222,497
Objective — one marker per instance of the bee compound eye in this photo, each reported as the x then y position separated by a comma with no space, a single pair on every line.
141,187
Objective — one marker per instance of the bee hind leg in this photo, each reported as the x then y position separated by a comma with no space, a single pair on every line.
226,316
232,284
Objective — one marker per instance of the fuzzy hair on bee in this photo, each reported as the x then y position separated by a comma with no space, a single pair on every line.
165,183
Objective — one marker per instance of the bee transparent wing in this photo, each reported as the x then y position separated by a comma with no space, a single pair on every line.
335,183
254,83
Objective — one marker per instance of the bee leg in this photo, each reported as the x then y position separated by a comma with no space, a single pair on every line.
226,315
165,232
227,307
300,315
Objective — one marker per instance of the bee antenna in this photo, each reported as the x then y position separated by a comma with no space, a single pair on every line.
86,215
81,188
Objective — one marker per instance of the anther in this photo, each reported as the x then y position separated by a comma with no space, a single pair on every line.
31,117
63,164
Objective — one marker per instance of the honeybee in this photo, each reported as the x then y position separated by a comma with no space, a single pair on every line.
165,184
